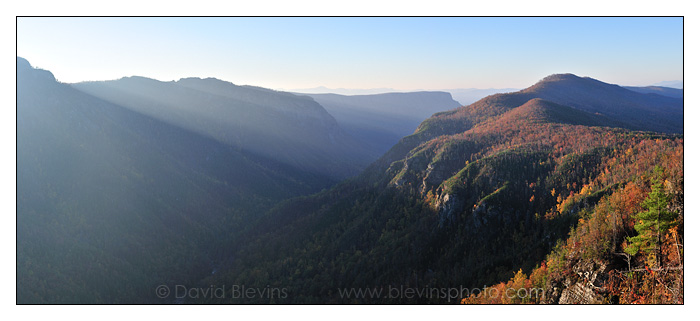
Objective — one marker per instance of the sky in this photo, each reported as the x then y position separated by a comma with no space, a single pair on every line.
399,53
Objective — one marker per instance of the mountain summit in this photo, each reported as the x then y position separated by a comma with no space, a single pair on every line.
633,109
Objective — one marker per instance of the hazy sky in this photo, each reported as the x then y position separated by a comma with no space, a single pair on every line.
400,53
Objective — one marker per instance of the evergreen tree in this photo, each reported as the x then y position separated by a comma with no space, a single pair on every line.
654,222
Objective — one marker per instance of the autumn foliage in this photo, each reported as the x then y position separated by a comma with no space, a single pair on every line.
605,232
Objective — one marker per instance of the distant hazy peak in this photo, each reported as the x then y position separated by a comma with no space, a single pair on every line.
391,94
561,77
23,63
677,84
24,68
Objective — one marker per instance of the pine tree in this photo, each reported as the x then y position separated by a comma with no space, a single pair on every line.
652,223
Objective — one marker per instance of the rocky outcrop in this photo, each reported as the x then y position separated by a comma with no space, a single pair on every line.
438,172
449,207
584,286
578,294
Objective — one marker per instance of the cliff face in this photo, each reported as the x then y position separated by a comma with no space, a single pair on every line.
585,285
449,207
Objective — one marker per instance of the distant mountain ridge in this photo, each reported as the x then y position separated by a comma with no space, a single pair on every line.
467,96
464,96
663,91
289,128
344,91
676,84
380,120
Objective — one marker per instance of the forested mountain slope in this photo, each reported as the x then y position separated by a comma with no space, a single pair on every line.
293,130
479,193
111,202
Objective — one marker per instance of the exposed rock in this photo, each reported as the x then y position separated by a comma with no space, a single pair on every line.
436,173
578,294
449,207
583,287
479,215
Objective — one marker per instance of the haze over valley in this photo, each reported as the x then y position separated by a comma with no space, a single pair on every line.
189,181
